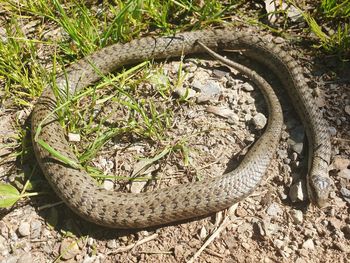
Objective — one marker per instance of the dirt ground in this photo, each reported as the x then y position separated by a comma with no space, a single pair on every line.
224,115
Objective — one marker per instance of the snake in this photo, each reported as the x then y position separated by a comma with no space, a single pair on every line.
82,194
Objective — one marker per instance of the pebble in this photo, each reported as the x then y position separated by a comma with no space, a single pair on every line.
3,248
203,233
112,244
74,137
340,163
347,109
137,186
309,244
346,194
25,258
69,249
274,210
297,216
185,93
24,229
297,192
90,259
342,247
278,244
209,88
108,184
259,121
332,131
247,87
345,173
36,227
298,147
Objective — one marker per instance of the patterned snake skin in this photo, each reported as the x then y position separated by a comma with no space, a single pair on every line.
126,210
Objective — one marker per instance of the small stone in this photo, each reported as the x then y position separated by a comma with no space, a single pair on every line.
345,173
25,258
209,88
203,233
300,260
259,121
88,259
347,109
247,87
24,229
342,247
340,163
69,249
297,216
298,147
346,194
36,226
274,210
309,244
246,246
332,131
298,192
223,112
279,244
108,185
294,14
185,93
74,137
112,244
137,186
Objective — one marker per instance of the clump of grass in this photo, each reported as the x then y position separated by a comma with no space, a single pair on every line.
331,14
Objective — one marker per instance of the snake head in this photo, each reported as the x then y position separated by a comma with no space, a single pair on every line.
320,187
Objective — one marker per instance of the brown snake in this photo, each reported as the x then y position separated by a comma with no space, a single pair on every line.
126,210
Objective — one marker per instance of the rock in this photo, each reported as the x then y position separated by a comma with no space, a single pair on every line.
274,210
298,147
24,229
294,14
297,216
247,87
347,109
137,186
203,233
74,137
259,121
346,194
345,173
69,249
332,131
25,258
223,112
185,93
209,88
3,248
298,192
108,185
342,247
309,244
36,227
278,244
91,259
340,163
112,244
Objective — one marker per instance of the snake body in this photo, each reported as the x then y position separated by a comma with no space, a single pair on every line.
127,210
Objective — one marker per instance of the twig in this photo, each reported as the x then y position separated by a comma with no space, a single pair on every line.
223,225
133,246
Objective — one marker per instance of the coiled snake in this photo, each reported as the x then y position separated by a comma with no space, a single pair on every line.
126,210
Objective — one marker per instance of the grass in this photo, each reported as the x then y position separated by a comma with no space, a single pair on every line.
31,54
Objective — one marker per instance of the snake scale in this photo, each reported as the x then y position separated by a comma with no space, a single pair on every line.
128,210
